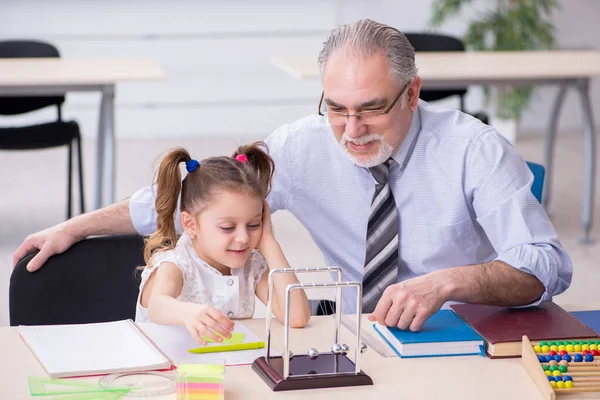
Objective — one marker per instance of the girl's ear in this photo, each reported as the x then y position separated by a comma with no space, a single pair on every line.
188,223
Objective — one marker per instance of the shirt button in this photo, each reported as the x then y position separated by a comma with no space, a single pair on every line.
230,314
230,282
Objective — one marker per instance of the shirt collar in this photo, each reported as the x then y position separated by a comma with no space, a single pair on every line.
404,151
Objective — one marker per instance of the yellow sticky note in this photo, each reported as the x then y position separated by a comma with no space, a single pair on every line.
236,337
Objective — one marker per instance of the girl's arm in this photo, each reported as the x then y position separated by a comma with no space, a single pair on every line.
160,294
270,249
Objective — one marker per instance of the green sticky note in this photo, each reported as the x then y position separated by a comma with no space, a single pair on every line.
201,369
236,337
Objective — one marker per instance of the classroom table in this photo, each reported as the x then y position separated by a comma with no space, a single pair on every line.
465,377
564,68
57,76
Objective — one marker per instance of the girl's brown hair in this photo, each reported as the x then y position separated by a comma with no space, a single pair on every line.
212,175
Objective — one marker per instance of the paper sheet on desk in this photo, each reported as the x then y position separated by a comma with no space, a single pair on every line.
175,341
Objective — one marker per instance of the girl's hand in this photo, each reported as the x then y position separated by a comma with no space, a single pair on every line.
203,320
267,227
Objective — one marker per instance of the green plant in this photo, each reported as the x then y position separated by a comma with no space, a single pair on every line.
504,25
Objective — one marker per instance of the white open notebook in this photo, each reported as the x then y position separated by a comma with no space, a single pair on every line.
93,349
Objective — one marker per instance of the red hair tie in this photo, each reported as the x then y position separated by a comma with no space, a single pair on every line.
242,158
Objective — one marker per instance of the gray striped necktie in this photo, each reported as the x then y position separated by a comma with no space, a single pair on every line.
381,261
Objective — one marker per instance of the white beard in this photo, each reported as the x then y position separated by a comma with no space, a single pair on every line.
383,154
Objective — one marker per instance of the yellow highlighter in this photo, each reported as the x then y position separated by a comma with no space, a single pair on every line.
228,347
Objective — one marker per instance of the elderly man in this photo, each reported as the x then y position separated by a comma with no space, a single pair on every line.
422,205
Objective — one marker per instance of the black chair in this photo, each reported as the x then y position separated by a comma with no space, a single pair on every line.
52,134
436,42
96,280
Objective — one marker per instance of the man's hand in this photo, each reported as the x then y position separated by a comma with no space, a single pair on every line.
408,304
51,241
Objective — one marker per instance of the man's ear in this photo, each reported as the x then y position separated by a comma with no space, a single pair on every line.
188,223
413,93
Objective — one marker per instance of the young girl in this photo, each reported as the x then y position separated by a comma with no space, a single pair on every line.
210,275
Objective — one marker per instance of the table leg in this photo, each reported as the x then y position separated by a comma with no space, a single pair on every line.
589,136
105,162
550,141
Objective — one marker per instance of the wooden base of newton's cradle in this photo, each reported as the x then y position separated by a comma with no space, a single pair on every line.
537,374
326,363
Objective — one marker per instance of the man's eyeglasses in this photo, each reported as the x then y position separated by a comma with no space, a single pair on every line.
368,117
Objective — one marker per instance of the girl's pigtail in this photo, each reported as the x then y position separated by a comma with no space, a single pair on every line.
256,156
168,184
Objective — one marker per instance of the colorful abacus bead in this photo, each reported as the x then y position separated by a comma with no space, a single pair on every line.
550,378
568,384
543,343
537,348
589,358
556,373
595,353
562,348
570,348
584,352
545,348
577,348
545,367
577,358
553,368
549,358
548,373
593,346
553,384
567,358
563,368
552,353
567,378
541,358
560,384
562,352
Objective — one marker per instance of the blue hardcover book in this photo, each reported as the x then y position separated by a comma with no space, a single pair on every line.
443,334
590,318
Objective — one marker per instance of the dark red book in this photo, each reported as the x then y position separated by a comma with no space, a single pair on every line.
502,328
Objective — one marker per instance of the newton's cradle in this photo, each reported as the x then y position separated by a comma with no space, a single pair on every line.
314,369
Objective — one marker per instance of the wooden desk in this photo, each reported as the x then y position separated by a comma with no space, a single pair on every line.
469,377
511,68
56,76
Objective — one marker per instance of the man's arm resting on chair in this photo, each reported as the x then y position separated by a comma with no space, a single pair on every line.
110,220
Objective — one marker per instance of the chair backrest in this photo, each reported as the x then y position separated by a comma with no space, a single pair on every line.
94,281
436,42
539,173
27,49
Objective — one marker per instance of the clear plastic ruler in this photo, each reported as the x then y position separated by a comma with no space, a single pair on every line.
371,341
142,384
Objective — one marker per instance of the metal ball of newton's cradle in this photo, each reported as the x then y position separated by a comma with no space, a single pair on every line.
363,347
313,353
344,348
336,348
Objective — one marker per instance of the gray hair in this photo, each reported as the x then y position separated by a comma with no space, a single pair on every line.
365,38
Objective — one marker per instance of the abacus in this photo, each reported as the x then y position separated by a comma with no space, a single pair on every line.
563,367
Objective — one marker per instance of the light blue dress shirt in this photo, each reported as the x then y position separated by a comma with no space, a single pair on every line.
463,195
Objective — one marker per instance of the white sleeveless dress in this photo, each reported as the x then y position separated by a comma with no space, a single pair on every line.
233,294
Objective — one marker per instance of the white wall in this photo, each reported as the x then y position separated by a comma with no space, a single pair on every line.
216,56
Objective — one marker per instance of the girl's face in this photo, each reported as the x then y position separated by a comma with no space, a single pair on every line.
228,229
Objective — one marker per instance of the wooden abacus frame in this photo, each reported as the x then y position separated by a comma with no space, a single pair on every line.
534,368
